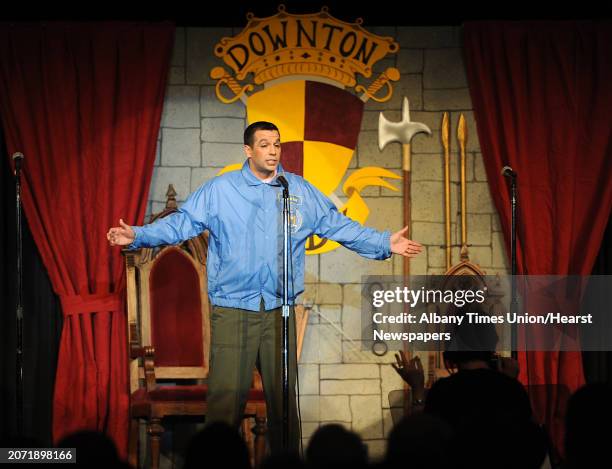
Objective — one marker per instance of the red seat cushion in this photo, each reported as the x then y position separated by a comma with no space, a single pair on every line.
190,393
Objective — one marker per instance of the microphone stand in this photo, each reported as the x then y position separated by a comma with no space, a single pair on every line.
285,315
18,157
514,271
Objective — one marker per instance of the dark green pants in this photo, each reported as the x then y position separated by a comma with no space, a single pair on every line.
241,340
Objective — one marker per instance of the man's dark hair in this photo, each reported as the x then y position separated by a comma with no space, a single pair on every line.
249,132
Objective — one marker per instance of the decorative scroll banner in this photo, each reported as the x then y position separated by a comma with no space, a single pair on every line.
302,66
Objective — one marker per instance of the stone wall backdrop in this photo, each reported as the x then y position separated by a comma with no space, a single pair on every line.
338,381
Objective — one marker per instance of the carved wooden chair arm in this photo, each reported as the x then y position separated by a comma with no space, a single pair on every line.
147,353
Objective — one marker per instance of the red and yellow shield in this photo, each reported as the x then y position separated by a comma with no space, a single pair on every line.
306,64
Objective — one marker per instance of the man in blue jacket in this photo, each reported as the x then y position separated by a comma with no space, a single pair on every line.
242,210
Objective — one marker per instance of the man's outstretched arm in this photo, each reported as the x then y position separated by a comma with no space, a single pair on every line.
365,241
189,221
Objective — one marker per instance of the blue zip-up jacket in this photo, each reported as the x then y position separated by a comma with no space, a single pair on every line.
244,217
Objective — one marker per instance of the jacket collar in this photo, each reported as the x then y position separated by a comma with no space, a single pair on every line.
253,180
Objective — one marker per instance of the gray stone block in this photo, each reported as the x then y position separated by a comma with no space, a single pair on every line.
349,372
156,207
310,408
427,201
387,422
479,229
390,380
223,129
447,100
334,408
158,154
428,37
181,147
344,266
322,344
176,76
200,59
222,154
181,107
313,318
479,198
427,167
178,51
385,214
444,68
436,257
358,352
500,259
495,223
327,293
351,312
201,175
162,176
210,105
367,416
430,234
329,314
311,269
350,386
309,296
308,429
410,61
309,379
480,173
480,255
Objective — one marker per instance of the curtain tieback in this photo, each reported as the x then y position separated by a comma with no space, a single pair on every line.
72,304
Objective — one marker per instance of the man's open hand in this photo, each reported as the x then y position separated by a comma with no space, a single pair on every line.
404,246
121,235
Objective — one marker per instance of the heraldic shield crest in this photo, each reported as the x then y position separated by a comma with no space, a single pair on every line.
303,68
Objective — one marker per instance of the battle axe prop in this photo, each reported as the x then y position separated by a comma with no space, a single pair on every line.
402,132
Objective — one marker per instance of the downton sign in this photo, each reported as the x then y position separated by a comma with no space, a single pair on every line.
269,47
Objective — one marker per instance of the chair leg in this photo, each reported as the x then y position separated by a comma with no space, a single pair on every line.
155,431
133,439
260,430
247,435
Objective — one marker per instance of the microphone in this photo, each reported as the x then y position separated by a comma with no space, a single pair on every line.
508,172
285,185
283,181
18,159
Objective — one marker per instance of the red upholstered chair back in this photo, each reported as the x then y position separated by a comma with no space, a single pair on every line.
168,306
173,308
175,301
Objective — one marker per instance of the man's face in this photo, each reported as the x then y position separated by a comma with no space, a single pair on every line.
264,155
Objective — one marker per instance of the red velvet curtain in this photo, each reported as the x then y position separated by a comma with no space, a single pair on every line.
83,103
542,95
